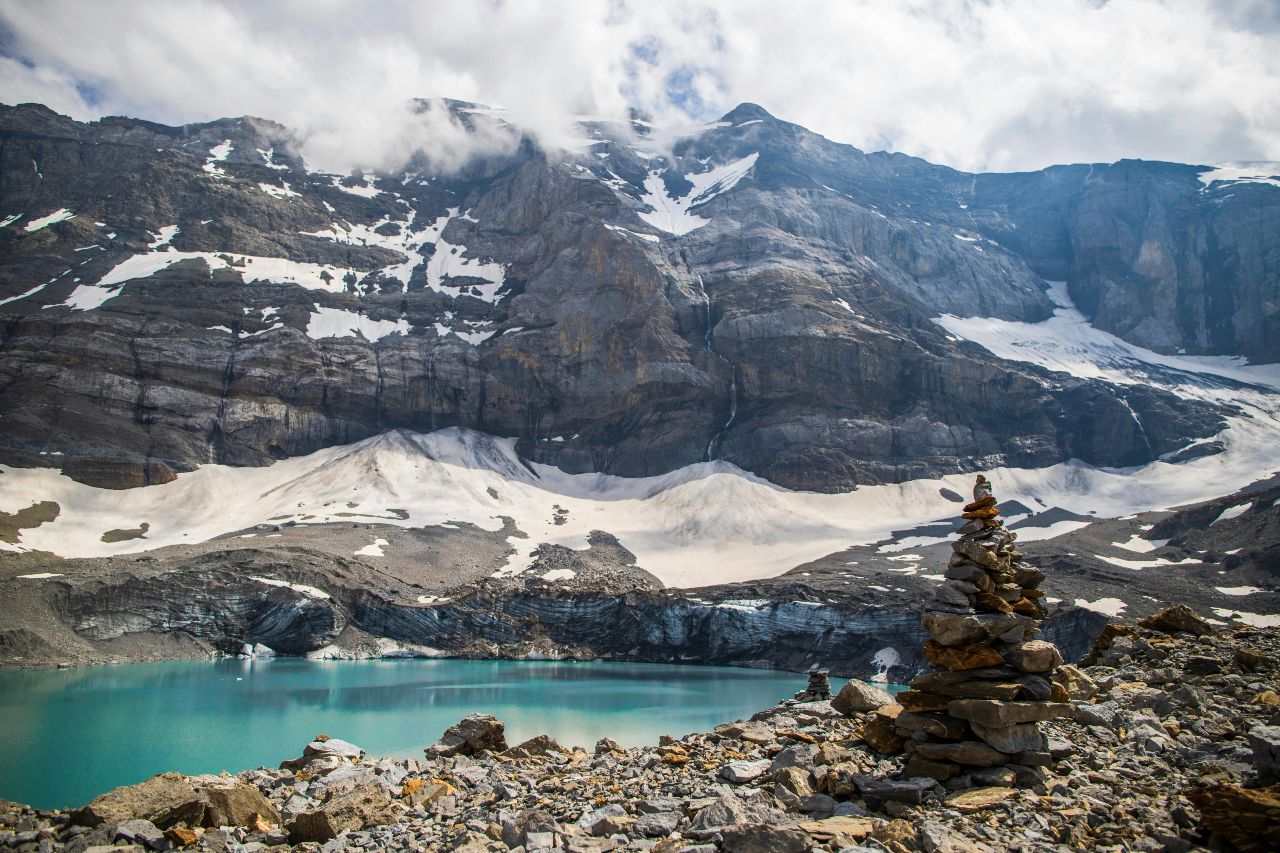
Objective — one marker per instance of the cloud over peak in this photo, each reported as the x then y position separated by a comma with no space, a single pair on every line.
1000,84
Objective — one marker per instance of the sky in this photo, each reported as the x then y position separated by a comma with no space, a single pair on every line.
980,85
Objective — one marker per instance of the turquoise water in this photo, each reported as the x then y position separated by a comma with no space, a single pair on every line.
68,735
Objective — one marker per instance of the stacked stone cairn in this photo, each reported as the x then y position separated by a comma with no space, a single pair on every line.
818,689
973,719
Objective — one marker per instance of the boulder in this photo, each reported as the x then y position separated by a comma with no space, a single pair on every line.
234,803
1177,618
473,734
729,810
656,824
1032,655
534,747
1265,742
164,800
857,697
333,746
144,832
1247,818
368,805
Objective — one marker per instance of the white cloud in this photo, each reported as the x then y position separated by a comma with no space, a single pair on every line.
1002,84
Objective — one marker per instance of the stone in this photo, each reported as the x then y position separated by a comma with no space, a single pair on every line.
1020,737
919,766
234,803
182,836
993,713
963,752
535,747
858,697
142,831
1177,618
164,800
918,700
333,746
958,629
937,725
471,735
606,744
1075,681
421,792
895,790
1247,818
763,838
1032,656
740,772
879,734
729,810
988,602
657,824
959,658
838,831
1265,743
367,805
979,799
1201,665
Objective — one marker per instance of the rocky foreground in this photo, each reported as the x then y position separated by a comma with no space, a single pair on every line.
1173,744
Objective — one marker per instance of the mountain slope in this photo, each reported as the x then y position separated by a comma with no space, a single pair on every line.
759,295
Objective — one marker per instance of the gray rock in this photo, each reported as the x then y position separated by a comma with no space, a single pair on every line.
656,824
144,832
473,734
1019,737
894,790
1265,743
741,772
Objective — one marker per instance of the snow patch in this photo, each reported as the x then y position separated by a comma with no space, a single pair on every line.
59,215
372,550
1232,512
39,576
559,575
1237,590
1257,620
1105,606
884,660
327,322
672,214
309,591
1242,173
163,237
217,154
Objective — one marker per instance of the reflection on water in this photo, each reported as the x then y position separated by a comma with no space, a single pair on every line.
68,735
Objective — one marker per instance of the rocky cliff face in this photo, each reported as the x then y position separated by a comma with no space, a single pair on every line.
176,296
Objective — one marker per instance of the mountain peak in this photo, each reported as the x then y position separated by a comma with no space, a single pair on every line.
746,112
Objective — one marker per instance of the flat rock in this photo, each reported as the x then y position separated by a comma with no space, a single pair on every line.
977,799
1248,818
1177,618
963,752
895,790
740,772
993,713
1265,743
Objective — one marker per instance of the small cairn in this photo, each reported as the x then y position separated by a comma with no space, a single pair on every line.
819,688
973,718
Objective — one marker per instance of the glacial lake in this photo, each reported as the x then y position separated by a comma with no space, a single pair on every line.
68,735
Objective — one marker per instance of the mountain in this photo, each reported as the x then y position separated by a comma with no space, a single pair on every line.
710,398
759,295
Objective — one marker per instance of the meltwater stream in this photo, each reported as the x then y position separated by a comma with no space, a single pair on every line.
69,735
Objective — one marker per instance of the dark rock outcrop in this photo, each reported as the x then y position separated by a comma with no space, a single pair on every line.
790,335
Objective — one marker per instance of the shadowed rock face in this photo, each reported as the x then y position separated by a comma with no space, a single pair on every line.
789,335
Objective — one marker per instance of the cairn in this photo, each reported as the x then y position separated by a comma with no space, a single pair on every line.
818,689
973,718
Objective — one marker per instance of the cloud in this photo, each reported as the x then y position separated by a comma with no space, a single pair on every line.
976,84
